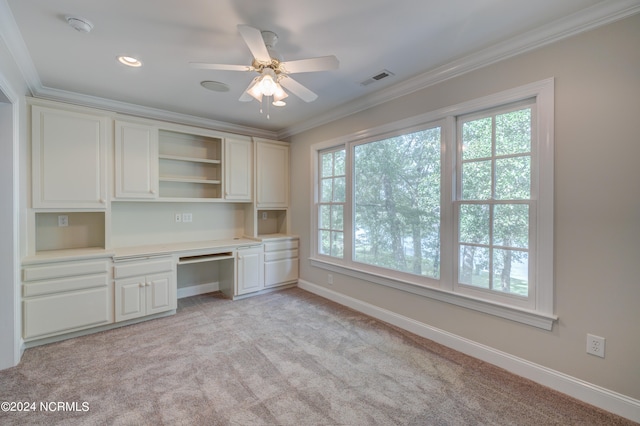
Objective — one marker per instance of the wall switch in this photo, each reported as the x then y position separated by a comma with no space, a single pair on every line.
330,279
63,220
178,217
595,345
187,217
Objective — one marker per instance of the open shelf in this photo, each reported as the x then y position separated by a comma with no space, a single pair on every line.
189,180
190,166
190,159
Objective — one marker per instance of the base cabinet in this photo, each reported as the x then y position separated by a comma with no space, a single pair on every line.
144,287
280,262
249,271
63,297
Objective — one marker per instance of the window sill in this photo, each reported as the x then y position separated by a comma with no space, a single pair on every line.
528,317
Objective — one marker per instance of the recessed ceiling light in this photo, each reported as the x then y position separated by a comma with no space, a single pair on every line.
129,61
216,86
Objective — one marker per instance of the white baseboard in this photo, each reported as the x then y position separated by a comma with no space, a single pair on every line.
584,391
194,290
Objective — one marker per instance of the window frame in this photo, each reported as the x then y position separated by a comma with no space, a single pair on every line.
507,298
540,311
331,203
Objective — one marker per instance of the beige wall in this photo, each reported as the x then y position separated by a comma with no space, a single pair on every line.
597,206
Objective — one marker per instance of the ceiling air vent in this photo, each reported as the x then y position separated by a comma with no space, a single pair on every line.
379,76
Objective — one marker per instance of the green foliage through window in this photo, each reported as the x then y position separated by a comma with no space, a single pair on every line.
494,208
397,203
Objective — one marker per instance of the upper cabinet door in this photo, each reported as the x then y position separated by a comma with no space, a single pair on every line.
238,166
69,159
136,161
272,169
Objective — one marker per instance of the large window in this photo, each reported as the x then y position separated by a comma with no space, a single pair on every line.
456,204
397,203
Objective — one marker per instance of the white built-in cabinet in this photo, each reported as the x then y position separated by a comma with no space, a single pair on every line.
136,161
85,160
280,262
182,164
144,287
272,174
238,166
249,270
69,158
62,297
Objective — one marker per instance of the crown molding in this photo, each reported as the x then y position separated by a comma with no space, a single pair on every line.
148,112
12,38
585,20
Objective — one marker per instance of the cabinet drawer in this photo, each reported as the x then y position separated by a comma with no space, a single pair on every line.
279,255
61,285
281,245
139,267
280,272
66,269
61,313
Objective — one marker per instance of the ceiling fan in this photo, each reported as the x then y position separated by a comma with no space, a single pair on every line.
274,73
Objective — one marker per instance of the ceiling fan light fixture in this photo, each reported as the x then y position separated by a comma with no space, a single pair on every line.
255,90
279,95
268,85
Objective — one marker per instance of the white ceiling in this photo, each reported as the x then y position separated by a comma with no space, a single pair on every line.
417,40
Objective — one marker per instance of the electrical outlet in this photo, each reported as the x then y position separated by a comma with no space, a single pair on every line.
178,217
63,220
595,345
330,279
264,215
187,217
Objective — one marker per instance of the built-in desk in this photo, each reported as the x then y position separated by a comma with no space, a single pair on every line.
79,291
201,267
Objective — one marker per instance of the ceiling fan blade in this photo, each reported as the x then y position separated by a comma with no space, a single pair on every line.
253,38
245,97
322,63
297,89
221,67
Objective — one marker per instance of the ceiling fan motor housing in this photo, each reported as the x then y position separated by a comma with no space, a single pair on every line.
270,39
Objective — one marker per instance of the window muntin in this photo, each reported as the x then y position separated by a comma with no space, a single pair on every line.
332,196
397,203
495,201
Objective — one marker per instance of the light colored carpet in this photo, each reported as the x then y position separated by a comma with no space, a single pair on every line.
284,358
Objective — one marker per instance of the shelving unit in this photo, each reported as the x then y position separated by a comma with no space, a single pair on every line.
190,166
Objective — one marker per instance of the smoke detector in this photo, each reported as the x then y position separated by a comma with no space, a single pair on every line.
79,23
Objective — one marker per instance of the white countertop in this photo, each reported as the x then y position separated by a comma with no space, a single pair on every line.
190,248
187,248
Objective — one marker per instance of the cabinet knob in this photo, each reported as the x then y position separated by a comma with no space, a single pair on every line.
153,191
141,284
101,200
